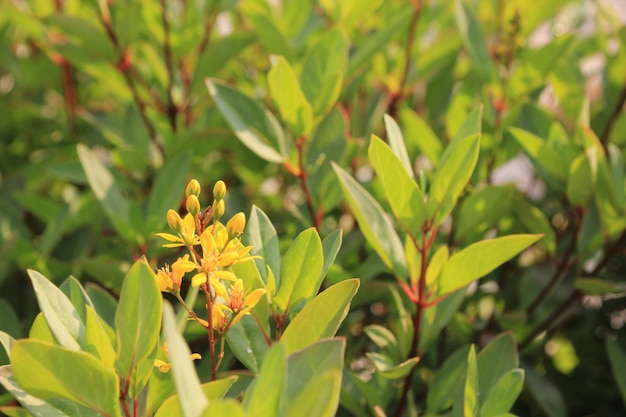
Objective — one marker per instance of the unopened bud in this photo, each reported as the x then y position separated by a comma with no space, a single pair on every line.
219,190
193,188
235,225
174,220
193,205
218,209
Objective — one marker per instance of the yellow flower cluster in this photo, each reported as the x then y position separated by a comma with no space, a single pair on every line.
220,248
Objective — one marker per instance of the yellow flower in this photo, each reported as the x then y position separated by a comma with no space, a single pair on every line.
169,279
164,366
186,232
219,317
240,305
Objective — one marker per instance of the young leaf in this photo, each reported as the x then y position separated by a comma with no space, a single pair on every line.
501,397
264,396
314,379
60,314
102,183
467,404
321,317
97,340
261,235
289,99
42,370
191,398
137,323
255,127
396,143
300,270
404,196
478,259
373,223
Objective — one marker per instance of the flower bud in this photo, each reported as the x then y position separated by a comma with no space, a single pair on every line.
235,225
219,190
218,209
193,188
174,220
193,205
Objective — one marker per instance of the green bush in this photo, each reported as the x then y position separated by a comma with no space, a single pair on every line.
464,160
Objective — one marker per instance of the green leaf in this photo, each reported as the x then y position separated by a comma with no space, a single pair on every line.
314,379
84,42
261,235
482,209
225,407
104,303
40,330
386,367
545,393
474,40
384,339
321,317
534,221
263,397
300,270
404,196
6,341
289,99
438,316
255,127
247,343
541,153
597,286
268,33
42,370
36,406
323,69
396,143
466,404
190,396
97,340
374,224
503,394
60,314
446,381
167,190
137,323
617,358
494,361
330,247
581,182
102,183
217,54
417,131
478,259
77,295
453,173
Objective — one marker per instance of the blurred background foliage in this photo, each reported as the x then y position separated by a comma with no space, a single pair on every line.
126,80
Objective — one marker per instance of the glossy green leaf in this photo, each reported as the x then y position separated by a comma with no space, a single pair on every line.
138,323
373,222
167,190
40,330
437,261
60,314
581,183
466,403
478,259
453,173
314,379
446,381
261,235
534,221
495,360
104,303
248,343
404,196
289,99
97,340
617,358
386,367
42,370
330,248
265,395
417,131
72,288
300,270
396,143
474,40
322,71
36,406
597,286
103,185
213,390
321,317
501,397
190,396
482,209
255,127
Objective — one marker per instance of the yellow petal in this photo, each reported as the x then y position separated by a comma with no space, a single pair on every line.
227,259
207,242
184,265
254,297
198,279
195,356
227,275
169,237
218,288
161,365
